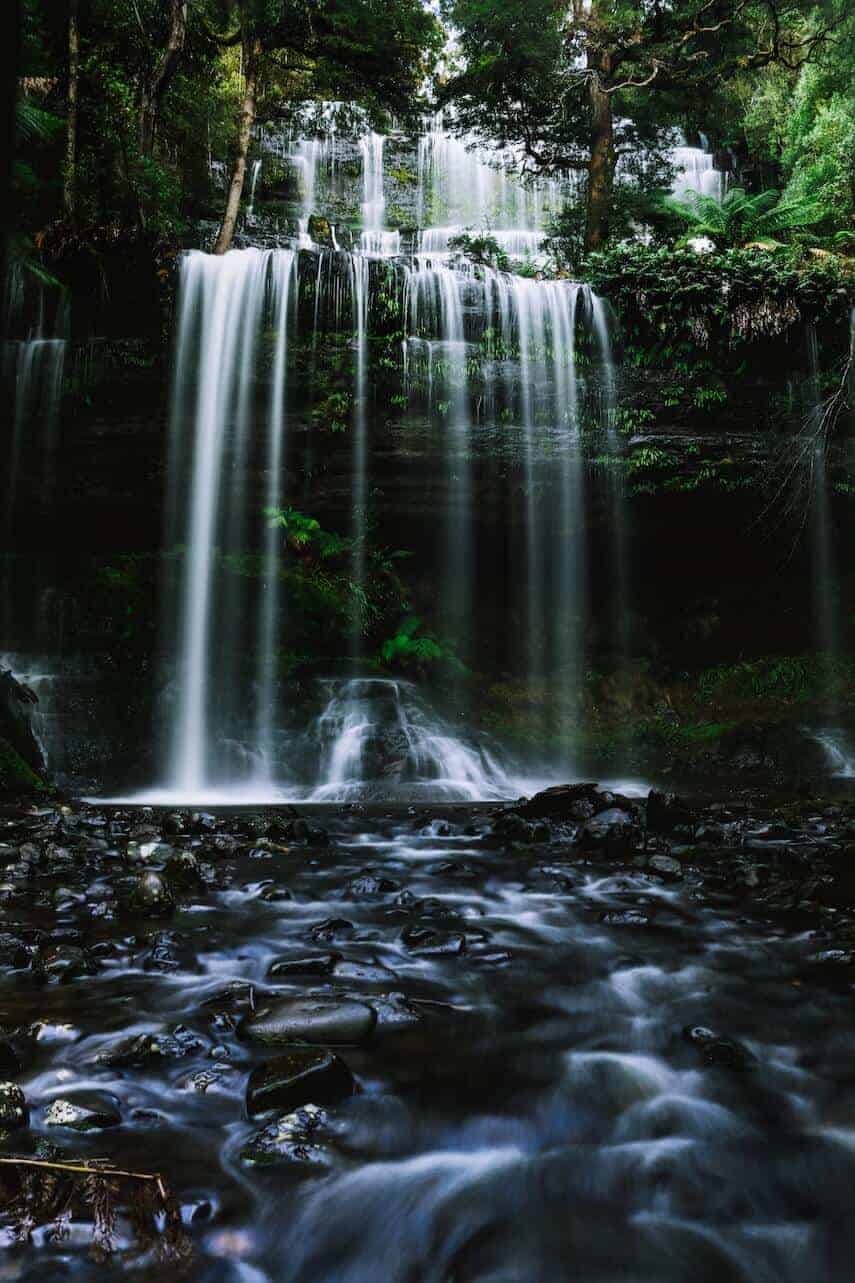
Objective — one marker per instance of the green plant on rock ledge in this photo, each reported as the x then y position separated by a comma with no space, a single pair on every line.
415,650
740,218
678,309
325,604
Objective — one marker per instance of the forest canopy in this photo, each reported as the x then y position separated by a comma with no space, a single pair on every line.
125,108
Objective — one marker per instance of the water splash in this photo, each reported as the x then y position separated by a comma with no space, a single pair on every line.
379,739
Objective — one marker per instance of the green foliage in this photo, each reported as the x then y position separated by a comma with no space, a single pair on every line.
412,649
819,155
785,679
674,306
480,248
325,605
305,533
16,777
740,218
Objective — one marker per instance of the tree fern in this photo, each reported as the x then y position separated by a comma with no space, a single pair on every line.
740,218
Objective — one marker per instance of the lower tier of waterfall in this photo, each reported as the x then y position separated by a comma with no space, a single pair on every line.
484,352
372,740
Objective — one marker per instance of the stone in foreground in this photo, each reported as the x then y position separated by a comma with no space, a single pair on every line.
294,1138
300,1077
84,1112
311,1020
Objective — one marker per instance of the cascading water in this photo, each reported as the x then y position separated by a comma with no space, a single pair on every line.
34,366
483,347
377,737
256,170
375,239
283,289
696,171
473,191
826,612
222,301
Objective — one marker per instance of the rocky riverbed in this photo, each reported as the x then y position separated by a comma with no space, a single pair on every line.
584,1035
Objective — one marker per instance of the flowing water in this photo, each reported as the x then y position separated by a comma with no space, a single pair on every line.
34,365
482,346
528,1107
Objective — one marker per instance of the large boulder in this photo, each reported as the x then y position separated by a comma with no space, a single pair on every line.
666,812
22,763
17,706
573,802
612,833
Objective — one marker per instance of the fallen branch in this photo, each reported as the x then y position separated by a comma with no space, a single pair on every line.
46,1188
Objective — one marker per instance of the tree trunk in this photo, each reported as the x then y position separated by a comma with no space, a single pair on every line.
69,190
601,169
10,34
251,60
156,85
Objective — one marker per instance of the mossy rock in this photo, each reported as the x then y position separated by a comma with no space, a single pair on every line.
15,776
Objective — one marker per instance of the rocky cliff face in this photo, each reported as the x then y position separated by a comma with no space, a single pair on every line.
22,764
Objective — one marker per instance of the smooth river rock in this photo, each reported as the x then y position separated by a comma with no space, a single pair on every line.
306,1075
313,1020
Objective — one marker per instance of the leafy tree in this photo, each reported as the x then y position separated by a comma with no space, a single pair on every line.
740,218
557,81
819,154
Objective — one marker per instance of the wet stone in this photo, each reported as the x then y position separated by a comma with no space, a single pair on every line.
322,965
666,867
300,1077
718,1051
611,832
212,1078
332,929
151,897
312,1020
183,870
295,1138
83,1112
63,963
425,942
151,1048
168,952
666,812
13,951
625,918
273,894
368,885
10,1065
14,1113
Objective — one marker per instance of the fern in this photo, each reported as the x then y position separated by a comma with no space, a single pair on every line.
740,218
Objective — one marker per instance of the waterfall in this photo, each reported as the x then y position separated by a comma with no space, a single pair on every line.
256,170
310,157
34,366
221,301
483,350
283,290
359,287
375,239
377,737
696,171
434,307
473,191
823,569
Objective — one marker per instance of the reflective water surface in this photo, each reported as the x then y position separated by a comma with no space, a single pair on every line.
541,1096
